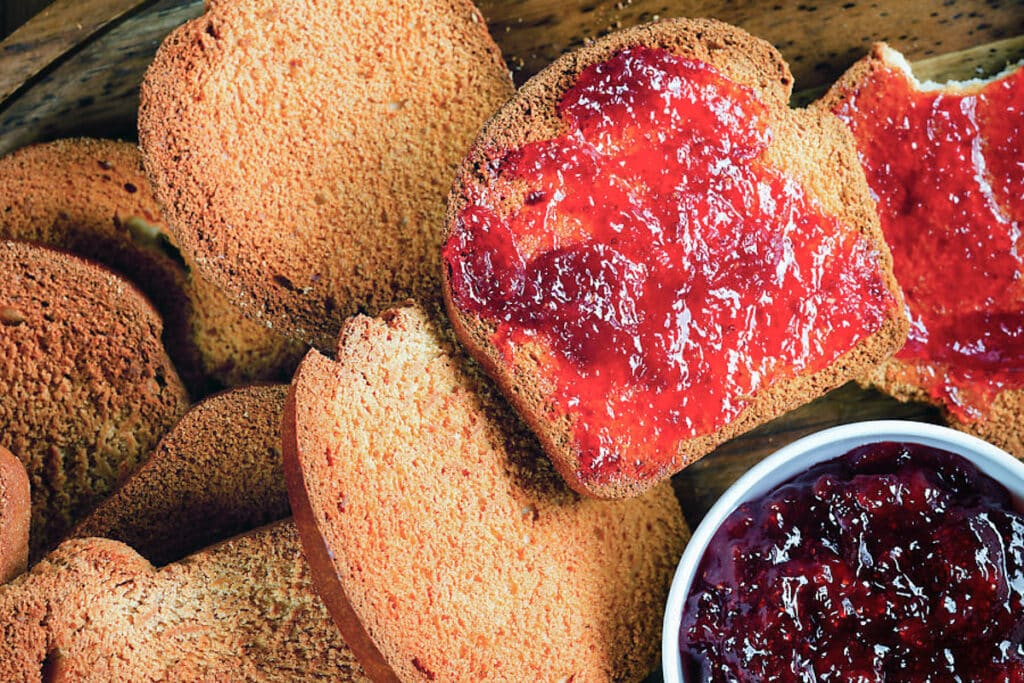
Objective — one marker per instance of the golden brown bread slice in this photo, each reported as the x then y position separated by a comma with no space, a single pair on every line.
15,513
944,161
217,473
92,198
302,152
94,610
804,152
86,388
440,538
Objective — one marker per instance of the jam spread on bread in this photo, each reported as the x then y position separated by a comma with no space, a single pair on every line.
659,269
894,562
947,171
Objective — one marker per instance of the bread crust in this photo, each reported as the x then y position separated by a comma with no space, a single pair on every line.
217,473
435,527
1001,424
303,152
92,198
804,143
86,388
15,513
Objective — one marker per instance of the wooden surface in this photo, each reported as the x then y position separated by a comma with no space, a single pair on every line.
14,13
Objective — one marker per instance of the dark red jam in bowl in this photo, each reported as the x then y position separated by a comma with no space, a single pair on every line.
661,270
948,174
894,562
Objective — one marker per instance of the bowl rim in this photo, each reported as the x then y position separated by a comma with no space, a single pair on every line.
796,457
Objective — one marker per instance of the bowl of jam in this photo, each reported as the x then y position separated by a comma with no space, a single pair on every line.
878,551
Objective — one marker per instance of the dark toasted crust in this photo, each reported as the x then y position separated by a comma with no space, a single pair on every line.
303,152
86,388
244,610
92,198
1003,423
217,473
15,512
809,146
437,532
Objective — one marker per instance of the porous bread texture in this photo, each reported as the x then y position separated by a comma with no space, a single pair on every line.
814,149
441,539
15,512
94,610
303,151
92,198
217,473
1002,424
86,388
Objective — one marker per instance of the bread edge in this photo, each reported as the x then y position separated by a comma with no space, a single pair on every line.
315,547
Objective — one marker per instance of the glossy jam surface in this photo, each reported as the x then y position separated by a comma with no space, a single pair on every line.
895,562
660,271
948,174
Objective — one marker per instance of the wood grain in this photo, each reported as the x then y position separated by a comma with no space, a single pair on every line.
95,90
63,26
14,14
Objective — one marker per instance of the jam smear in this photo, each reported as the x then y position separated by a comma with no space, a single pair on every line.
948,174
658,268
894,562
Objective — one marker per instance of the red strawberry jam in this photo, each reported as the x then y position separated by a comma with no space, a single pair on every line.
894,562
948,174
660,269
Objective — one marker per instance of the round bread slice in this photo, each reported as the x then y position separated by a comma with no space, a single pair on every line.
977,222
440,538
15,512
303,152
92,198
217,473
615,427
86,388
244,610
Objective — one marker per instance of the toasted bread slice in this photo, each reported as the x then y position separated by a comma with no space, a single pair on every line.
15,513
217,473
303,152
440,538
628,353
86,388
944,161
94,610
92,198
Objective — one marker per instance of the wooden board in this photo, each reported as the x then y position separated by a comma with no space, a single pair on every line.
83,79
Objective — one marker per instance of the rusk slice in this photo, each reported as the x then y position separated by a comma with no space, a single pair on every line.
440,538
616,296
303,151
15,513
945,163
94,610
86,388
92,198
217,473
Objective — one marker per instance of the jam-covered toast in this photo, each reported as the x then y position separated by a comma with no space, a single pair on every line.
651,253
945,163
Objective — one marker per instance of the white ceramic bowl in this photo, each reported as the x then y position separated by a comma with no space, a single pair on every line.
794,459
